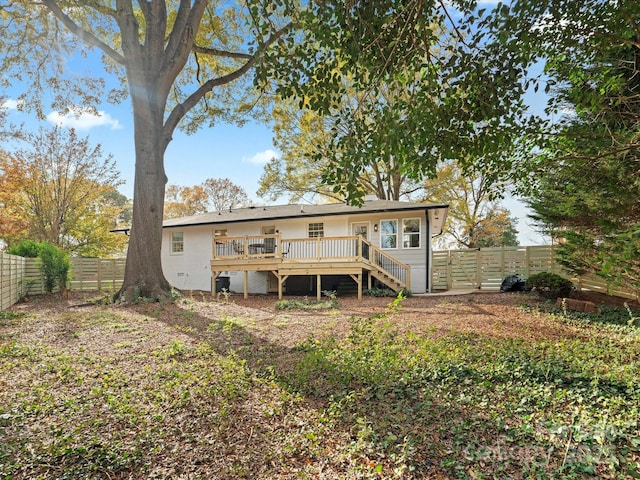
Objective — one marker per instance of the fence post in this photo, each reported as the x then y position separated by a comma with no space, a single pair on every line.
79,263
99,275
478,269
1,280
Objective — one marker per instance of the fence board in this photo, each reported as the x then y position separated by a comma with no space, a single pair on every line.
11,279
22,276
486,268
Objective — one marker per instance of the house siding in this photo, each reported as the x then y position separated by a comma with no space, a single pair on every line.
189,270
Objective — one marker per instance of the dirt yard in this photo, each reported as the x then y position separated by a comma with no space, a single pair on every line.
499,315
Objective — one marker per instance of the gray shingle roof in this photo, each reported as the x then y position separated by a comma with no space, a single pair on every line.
273,212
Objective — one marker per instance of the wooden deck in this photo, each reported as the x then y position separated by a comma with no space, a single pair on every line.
285,257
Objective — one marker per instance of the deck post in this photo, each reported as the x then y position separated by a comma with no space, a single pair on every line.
359,286
281,280
318,286
246,284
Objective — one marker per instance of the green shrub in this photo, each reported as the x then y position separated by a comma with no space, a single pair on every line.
54,265
379,292
550,285
386,292
306,304
25,248
54,262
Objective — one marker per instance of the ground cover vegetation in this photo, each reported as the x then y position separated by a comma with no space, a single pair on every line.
480,386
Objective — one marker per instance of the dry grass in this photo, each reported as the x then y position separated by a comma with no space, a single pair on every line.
447,387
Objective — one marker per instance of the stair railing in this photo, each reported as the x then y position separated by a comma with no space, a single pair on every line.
389,266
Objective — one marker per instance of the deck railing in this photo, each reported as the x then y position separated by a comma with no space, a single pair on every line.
349,248
352,248
394,268
323,248
247,246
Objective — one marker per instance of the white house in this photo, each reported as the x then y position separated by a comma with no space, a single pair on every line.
304,249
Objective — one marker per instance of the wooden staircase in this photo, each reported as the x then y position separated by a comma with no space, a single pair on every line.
388,280
388,270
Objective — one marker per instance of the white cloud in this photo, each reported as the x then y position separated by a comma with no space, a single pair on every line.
84,120
261,158
9,104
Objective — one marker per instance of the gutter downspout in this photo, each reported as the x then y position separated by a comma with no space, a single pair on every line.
429,255
430,245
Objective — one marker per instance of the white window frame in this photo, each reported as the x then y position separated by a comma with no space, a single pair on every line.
317,232
391,235
175,242
407,235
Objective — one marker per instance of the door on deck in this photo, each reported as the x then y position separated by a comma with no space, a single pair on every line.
269,243
270,247
362,229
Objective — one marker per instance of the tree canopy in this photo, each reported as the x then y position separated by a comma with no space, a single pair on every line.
475,218
62,190
212,195
584,186
434,84
304,137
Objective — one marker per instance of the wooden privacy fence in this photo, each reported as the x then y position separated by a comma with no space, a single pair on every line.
87,274
486,268
22,276
12,273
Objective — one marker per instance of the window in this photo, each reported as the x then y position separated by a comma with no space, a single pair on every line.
411,233
389,234
177,242
316,230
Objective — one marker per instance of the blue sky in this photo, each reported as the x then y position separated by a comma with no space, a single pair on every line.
237,153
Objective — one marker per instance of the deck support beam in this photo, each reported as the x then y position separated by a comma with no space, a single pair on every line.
246,284
281,280
358,279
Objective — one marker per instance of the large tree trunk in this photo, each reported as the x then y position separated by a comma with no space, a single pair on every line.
143,272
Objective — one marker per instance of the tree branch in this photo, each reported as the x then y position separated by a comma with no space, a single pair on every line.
86,37
182,36
181,21
181,110
221,53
